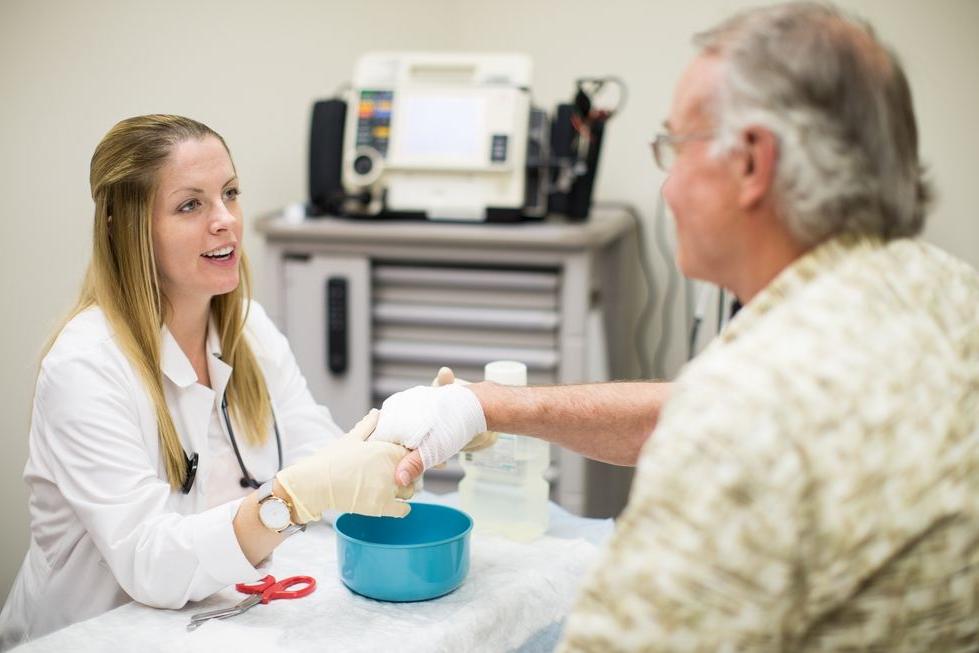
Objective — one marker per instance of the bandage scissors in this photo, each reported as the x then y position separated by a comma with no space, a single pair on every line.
265,590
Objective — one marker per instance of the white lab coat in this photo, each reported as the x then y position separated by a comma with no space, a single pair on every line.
106,528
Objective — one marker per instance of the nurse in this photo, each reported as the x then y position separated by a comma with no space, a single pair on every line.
173,442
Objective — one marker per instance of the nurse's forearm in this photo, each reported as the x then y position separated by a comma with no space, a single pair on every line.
256,540
603,421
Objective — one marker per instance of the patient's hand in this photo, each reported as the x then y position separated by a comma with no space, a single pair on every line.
482,440
409,469
411,466
435,421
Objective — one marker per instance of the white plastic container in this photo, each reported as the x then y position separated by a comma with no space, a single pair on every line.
504,489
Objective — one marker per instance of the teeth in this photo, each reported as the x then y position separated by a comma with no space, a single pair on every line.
222,251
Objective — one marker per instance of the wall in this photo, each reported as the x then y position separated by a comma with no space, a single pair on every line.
648,45
251,70
70,70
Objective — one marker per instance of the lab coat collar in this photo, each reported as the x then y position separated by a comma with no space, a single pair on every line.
177,367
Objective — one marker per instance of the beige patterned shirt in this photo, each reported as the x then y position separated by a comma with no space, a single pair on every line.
813,483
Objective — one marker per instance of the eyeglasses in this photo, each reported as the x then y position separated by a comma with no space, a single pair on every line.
664,147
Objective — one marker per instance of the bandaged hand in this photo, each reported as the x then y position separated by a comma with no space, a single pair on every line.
350,474
437,421
482,440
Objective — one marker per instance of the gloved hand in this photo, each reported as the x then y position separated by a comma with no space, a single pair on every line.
482,440
437,421
350,474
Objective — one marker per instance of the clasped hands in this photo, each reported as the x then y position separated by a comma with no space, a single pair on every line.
356,473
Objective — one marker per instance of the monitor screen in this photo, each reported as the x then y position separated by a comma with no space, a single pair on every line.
441,129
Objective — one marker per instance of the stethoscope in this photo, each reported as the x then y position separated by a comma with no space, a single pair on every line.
247,480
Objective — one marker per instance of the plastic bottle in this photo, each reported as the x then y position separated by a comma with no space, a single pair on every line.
504,489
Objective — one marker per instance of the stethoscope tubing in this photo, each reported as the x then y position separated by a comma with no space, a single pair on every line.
247,480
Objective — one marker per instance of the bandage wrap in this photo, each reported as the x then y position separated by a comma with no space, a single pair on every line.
438,422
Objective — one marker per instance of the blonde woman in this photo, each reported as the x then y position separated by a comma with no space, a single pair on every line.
174,443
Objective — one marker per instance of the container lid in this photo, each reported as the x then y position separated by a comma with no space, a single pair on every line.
506,372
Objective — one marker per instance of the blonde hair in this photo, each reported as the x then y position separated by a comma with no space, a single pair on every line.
122,278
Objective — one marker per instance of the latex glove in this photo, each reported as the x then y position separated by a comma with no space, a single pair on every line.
350,474
437,421
482,440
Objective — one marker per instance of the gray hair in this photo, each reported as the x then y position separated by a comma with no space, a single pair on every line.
840,106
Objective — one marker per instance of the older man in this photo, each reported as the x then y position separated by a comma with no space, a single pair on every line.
812,482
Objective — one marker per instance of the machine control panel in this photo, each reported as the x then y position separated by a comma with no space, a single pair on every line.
374,123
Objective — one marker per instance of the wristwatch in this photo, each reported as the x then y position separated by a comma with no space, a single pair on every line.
275,513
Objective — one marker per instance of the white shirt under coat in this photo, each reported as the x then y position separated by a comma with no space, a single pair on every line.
106,527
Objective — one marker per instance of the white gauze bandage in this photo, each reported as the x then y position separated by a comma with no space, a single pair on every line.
437,421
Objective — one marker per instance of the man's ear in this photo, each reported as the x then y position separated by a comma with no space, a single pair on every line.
759,155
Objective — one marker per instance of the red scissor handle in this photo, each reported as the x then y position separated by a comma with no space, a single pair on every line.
280,590
256,588
271,589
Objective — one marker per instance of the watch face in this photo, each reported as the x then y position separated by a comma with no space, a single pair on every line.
274,513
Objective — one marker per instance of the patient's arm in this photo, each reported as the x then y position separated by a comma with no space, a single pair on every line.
603,421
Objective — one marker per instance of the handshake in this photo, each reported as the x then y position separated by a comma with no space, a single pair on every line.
356,473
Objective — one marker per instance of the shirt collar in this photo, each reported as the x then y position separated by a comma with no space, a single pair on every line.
217,368
796,276
213,343
174,363
177,367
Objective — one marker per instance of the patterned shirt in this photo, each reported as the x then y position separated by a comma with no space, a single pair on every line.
813,482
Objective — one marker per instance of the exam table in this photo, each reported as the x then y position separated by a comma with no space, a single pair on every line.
514,598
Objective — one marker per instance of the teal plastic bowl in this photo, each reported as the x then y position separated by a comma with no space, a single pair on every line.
414,558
